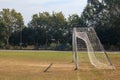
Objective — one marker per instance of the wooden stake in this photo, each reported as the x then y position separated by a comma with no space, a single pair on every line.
48,67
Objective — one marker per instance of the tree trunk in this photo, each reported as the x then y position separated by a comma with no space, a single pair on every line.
7,45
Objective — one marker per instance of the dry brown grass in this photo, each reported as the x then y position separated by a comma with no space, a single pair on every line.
24,70
18,69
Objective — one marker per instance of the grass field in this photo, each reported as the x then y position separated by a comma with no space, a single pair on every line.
30,65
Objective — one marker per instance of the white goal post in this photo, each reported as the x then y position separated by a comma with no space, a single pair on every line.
96,53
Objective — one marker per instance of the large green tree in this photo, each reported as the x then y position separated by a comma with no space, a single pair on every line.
48,27
58,27
2,33
13,22
40,25
105,17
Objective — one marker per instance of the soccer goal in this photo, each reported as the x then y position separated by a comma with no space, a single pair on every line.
96,53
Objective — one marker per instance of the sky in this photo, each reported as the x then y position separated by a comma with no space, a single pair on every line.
29,7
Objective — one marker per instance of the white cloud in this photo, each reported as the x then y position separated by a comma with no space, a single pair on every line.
37,1
30,7
42,1
4,0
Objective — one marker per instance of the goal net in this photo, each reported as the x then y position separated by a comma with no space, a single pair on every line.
96,52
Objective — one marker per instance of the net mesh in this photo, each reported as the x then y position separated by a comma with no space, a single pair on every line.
96,53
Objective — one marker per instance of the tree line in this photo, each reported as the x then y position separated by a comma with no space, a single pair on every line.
54,31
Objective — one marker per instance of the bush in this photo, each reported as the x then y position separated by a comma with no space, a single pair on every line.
64,47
